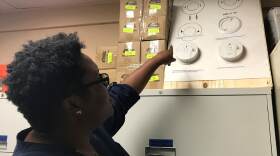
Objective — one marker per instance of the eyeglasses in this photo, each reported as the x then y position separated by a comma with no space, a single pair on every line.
102,78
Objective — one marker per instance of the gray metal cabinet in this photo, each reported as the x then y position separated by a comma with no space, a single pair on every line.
11,123
217,122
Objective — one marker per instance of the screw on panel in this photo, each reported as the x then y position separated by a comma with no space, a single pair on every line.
205,85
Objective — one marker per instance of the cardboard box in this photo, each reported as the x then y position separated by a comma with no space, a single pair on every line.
124,72
128,54
156,7
131,8
157,79
150,48
112,74
154,28
129,30
106,57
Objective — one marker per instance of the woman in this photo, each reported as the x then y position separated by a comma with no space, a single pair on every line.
67,102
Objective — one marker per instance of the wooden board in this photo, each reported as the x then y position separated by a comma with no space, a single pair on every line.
243,83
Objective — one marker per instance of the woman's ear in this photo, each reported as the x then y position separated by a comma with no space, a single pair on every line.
73,105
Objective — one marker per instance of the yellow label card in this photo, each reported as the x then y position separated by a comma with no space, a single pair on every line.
155,6
154,78
130,7
109,57
150,55
129,53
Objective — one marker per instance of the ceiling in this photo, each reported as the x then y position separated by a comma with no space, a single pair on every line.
7,6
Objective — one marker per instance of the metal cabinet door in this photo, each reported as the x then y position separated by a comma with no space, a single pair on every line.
200,125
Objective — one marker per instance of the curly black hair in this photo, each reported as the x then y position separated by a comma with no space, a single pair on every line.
41,76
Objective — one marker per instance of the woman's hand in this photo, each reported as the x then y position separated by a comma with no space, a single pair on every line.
165,57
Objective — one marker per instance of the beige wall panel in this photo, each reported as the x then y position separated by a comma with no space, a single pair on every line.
45,18
92,36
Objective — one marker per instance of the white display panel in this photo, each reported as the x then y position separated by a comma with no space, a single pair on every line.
217,39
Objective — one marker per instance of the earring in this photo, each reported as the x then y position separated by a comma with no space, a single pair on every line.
79,112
